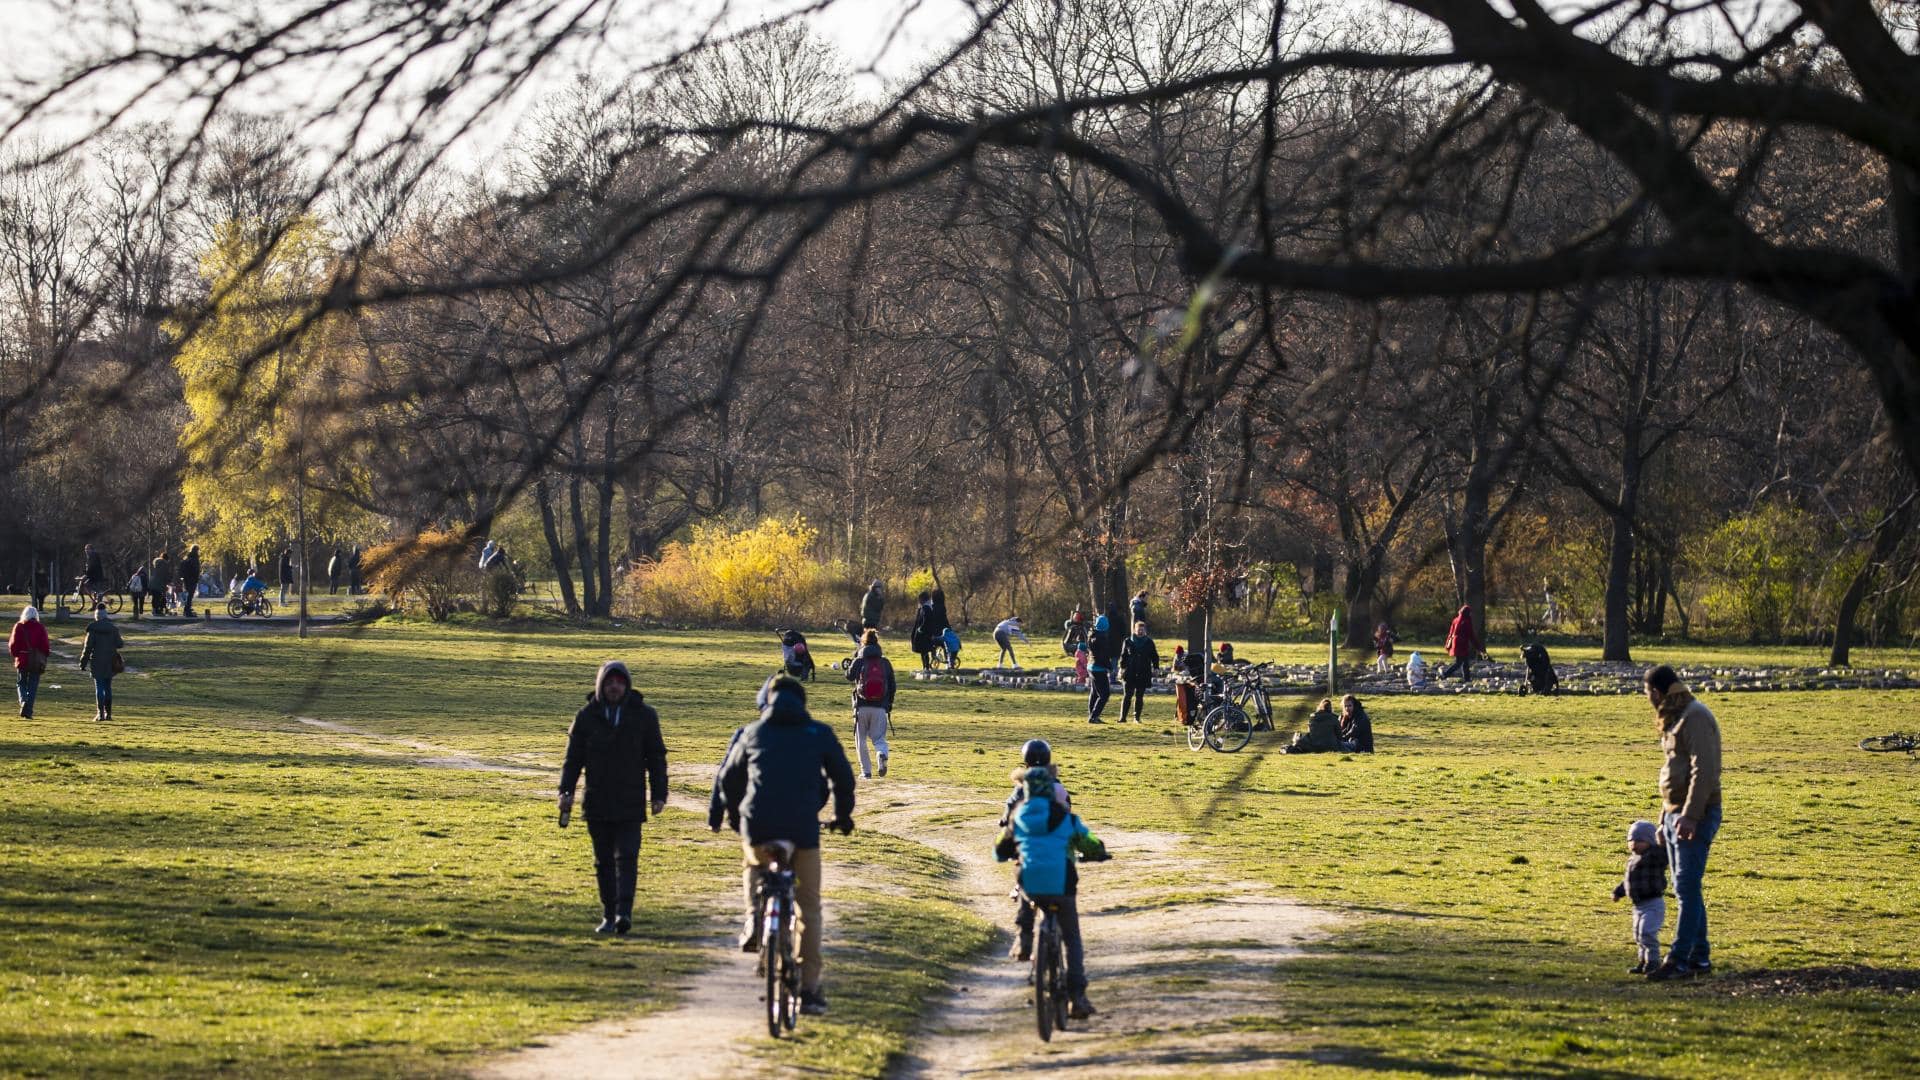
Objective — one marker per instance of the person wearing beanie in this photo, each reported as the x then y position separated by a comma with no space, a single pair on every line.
615,742
771,783
1100,663
101,655
873,689
1690,814
1645,883
30,647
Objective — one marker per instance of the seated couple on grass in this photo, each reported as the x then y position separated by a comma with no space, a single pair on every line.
1351,731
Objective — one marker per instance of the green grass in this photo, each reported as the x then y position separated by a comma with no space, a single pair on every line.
209,886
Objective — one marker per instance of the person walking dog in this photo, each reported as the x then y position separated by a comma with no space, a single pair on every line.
1690,814
30,647
615,740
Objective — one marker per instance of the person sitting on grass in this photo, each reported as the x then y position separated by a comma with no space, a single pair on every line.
1356,727
1044,836
1322,734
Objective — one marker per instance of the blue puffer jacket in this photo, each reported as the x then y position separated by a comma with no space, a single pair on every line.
1045,835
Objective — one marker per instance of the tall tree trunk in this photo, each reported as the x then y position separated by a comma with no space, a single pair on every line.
1616,639
556,546
1885,540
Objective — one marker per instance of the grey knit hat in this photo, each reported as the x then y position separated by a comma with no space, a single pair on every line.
1641,832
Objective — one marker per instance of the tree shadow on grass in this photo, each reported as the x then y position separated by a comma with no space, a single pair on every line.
1833,978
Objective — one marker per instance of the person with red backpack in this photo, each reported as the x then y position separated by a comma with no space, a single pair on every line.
873,688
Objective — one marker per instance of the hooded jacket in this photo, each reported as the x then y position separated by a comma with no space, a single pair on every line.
871,605
1045,835
102,641
1461,639
1357,731
620,750
856,674
924,628
771,777
1322,734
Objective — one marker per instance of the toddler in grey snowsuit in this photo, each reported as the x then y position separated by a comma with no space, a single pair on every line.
1645,883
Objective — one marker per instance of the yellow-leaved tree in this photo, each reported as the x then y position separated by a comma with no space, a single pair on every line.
262,377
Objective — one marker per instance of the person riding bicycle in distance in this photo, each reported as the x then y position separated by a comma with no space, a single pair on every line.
771,779
252,589
1044,836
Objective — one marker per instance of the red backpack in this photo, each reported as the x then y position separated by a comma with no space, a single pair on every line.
873,682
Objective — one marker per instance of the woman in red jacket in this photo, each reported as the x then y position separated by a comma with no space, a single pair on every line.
1463,644
30,648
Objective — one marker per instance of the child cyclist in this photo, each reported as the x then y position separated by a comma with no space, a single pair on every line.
1044,836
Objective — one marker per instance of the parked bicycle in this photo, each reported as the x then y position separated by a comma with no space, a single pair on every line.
84,598
1885,744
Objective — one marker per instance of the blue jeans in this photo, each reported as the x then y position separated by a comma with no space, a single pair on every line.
1689,861
28,688
103,689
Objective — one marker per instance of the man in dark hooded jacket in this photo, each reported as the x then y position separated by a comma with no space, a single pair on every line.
871,605
771,779
615,740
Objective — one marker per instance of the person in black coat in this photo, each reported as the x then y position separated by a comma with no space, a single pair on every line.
1356,727
924,631
771,781
1138,659
615,740
189,579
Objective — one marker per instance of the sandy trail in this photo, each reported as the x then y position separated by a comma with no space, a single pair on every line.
1172,949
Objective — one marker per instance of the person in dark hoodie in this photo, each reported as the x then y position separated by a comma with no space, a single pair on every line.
615,740
1138,659
771,780
872,604
1356,727
1099,668
189,579
873,688
924,631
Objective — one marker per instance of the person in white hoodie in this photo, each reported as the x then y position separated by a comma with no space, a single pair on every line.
1416,670
1003,636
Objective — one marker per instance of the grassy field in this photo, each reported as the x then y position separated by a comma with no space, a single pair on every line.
210,885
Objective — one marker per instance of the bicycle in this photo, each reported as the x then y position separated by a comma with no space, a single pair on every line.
774,898
1252,688
85,598
1882,744
239,605
1049,976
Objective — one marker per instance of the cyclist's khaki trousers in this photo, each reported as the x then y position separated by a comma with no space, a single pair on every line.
806,893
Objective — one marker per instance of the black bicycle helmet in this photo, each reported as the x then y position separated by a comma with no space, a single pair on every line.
1036,752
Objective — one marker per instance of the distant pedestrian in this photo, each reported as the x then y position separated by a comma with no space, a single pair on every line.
938,598
1383,639
1003,635
1463,644
1138,659
31,649
157,582
1100,663
615,741
925,633
336,570
137,589
1416,671
1140,607
40,588
100,655
1690,814
96,576
1645,884
1081,658
1075,632
872,605
189,579
353,572
286,573
873,691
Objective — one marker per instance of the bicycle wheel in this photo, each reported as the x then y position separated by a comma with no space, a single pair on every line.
266,608
1045,956
1228,728
114,602
234,608
1058,993
773,946
789,972
1881,744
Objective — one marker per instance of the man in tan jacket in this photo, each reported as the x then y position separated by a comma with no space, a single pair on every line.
1690,817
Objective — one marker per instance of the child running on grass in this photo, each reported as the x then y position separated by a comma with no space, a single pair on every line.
1645,884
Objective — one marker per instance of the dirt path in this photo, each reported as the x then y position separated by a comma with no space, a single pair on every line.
1172,950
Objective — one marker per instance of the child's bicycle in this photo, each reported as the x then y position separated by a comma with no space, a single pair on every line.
241,604
1886,744
1052,997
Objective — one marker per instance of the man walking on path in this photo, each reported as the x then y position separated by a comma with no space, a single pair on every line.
873,688
1690,814
615,740
1463,644
872,604
771,779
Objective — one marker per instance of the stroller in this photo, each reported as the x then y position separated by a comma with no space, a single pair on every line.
795,654
1540,674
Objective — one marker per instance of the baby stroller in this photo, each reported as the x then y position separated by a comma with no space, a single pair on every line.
1540,674
795,655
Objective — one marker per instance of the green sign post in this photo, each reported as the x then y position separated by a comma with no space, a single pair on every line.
1333,653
